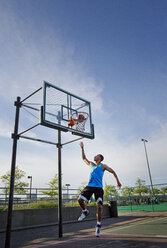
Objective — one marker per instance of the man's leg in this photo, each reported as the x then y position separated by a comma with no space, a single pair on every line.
99,211
99,200
84,197
85,212
99,218
81,203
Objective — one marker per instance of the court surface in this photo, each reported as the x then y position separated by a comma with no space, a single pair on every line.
136,230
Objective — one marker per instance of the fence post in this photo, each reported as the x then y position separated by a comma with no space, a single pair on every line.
130,200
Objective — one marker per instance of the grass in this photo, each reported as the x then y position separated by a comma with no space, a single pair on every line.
33,205
43,204
53,204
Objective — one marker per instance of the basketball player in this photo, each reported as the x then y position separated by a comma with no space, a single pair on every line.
95,187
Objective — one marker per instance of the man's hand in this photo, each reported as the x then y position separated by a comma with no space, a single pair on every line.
81,144
83,155
119,185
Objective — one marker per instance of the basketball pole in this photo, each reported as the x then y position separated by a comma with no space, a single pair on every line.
12,175
59,146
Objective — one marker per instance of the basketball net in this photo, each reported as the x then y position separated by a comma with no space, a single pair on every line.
79,119
80,126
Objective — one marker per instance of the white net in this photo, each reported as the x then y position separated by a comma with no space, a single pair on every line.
80,119
80,126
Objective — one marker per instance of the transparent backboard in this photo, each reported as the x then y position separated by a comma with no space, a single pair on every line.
59,106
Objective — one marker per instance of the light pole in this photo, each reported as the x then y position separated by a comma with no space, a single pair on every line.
67,185
30,177
144,142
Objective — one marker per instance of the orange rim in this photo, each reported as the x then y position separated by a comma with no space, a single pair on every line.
80,113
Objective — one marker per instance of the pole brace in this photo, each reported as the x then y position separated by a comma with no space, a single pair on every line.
18,102
59,145
15,136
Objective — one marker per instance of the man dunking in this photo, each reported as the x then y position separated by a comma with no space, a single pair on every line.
95,187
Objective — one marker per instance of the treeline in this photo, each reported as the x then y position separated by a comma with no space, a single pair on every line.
140,188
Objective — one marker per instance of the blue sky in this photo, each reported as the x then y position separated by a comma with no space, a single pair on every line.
113,53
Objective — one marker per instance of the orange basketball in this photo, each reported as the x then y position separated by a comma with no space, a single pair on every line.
71,122
81,118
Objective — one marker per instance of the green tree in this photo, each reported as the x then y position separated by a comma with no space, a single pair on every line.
127,191
164,190
81,187
110,190
19,185
156,191
140,189
53,187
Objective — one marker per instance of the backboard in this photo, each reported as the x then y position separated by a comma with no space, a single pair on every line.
59,106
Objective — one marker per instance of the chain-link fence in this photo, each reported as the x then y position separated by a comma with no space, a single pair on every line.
128,199
25,196
144,198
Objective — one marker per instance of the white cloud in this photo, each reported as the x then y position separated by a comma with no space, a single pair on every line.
39,57
5,129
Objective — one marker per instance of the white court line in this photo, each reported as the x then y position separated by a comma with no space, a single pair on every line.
161,236
132,225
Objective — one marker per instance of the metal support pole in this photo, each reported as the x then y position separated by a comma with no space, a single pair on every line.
67,185
59,146
144,141
29,129
130,200
12,176
30,187
31,94
72,141
39,140
30,177
6,197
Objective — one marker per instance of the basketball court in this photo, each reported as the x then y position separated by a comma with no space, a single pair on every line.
136,230
67,112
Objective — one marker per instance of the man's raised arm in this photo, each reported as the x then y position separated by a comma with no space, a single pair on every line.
83,154
105,167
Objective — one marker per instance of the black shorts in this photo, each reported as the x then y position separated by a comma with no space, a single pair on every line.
87,192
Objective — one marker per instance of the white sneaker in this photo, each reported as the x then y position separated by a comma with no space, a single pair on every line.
83,215
97,233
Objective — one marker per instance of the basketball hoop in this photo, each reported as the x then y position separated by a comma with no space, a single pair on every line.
78,119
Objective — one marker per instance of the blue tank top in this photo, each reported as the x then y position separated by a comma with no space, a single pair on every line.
96,176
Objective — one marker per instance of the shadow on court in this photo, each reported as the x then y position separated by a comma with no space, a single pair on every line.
134,230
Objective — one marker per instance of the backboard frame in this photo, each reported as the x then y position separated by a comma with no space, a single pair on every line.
60,116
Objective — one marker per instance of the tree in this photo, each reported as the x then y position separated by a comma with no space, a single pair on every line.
19,185
81,187
53,187
141,189
110,190
127,191
164,190
156,191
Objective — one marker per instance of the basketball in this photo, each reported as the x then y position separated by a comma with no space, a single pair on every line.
71,122
81,118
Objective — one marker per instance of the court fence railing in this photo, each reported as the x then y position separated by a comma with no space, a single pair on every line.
132,199
144,198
